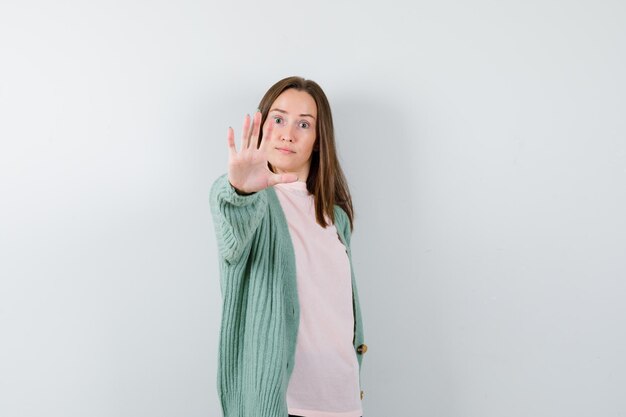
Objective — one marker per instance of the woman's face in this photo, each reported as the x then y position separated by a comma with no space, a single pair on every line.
294,115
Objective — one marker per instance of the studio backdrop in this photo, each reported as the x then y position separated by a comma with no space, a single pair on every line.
485,148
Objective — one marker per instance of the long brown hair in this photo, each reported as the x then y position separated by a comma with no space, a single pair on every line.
326,180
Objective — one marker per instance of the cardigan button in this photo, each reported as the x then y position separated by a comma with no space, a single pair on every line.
362,348
361,394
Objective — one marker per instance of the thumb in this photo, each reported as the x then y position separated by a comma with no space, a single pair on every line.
282,178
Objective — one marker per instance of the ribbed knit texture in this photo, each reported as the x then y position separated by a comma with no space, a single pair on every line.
260,311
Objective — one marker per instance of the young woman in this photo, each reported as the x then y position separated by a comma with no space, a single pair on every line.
291,340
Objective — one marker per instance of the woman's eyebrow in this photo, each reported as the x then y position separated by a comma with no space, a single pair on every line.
302,115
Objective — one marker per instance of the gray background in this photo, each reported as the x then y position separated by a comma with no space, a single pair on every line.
484,143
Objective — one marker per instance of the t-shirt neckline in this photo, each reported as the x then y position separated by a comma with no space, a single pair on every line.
296,187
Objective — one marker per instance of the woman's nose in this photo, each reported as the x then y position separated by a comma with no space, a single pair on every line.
288,133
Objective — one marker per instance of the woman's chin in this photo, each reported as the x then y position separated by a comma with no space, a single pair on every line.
281,169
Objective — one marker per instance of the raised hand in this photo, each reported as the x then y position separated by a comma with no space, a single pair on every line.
247,169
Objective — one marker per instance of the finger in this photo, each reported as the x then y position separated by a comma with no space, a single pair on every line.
267,134
256,127
245,134
282,178
232,151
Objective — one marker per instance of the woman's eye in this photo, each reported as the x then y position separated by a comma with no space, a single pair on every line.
304,125
277,119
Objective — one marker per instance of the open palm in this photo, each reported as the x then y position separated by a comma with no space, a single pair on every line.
247,169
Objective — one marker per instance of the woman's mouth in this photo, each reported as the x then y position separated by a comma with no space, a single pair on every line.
284,151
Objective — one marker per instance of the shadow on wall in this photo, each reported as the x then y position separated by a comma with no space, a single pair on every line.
376,140
376,146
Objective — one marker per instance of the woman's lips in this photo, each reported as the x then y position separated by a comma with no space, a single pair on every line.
284,151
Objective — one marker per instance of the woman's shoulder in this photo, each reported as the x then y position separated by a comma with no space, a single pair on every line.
342,222
340,213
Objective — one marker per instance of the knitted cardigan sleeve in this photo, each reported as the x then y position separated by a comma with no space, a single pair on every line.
235,217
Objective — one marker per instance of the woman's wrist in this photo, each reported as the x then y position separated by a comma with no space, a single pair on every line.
238,191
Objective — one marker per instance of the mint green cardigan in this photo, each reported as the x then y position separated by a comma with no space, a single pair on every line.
260,311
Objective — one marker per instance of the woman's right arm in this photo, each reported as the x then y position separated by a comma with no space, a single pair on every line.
235,217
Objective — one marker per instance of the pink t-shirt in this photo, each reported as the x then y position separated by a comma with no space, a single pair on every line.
325,378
